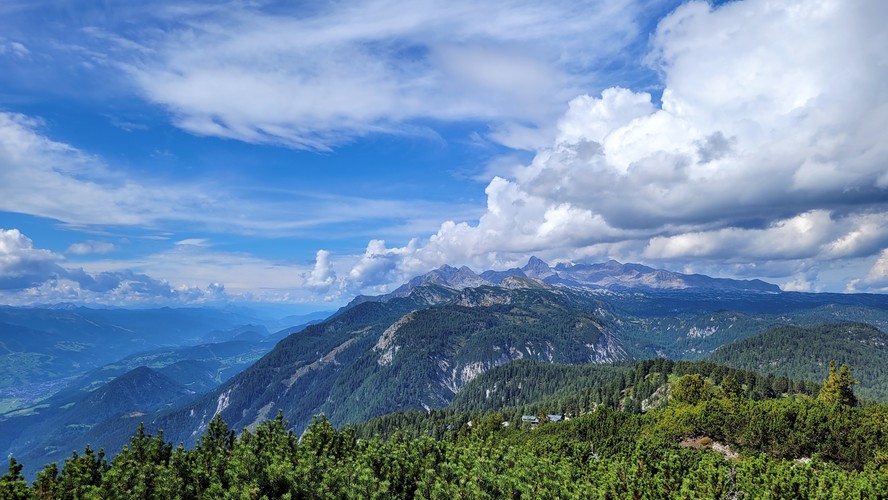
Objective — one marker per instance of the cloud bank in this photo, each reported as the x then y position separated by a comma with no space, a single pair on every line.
767,148
29,274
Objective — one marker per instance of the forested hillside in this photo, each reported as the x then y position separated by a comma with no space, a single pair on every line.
574,389
419,348
412,352
805,352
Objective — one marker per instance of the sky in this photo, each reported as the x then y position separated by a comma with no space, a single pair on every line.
300,153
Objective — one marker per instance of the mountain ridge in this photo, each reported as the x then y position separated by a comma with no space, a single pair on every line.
390,353
611,275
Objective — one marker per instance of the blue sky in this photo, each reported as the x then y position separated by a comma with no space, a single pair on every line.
300,153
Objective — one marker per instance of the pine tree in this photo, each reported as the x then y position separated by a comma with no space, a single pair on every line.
12,484
691,389
730,388
838,388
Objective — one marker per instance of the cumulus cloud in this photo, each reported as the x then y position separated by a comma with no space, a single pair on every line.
322,276
22,265
877,278
312,78
754,122
381,265
760,151
113,289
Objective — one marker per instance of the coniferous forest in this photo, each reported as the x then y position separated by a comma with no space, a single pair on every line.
710,436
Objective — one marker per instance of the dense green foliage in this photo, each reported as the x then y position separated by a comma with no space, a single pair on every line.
602,454
805,353
536,387
709,441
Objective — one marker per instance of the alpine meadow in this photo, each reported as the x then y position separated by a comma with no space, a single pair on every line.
378,249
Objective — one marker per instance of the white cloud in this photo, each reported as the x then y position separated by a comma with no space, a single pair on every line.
799,284
193,242
813,234
380,265
877,278
591,119
91,247
113,289
33,275
314,78
762,151
22,265
189,266
322,276
39,176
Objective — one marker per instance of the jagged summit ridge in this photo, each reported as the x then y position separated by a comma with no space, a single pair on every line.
610,275
448,276
614,275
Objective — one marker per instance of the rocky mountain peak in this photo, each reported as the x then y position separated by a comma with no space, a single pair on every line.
537,268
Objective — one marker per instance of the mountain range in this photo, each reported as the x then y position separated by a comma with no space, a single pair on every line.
611,275
417,347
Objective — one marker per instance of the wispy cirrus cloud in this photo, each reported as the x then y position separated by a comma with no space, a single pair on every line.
316,77
13,48
91,247
42,177
47,178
